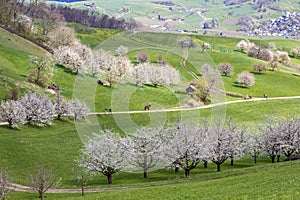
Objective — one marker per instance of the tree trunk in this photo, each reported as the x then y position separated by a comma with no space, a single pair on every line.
41,195
109,179
145,174
218,167
58,117
82,187
176,169
255,159
273,158
231,161
205,164
278,158
187,172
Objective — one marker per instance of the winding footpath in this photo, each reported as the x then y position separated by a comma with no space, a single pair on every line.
196,108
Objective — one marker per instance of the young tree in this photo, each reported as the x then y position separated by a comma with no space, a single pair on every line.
226,68
147,144
62,106
42,179
82,174
13,112
187,146
143,57
79,110
106,153
5,181
39,108
41,71
246,79
260,67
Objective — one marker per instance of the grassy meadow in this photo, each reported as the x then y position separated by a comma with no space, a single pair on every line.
58,145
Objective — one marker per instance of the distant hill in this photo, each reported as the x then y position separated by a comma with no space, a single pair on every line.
192,16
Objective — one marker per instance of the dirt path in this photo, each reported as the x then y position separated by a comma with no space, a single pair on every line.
196,108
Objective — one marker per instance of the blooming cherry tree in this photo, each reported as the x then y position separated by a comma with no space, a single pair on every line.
39,108
13,112
106,153
147,146
187,146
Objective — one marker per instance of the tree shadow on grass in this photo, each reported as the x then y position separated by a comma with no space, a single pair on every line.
236,84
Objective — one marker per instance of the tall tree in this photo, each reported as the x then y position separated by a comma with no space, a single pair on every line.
187,146
224,142
147,145
106,153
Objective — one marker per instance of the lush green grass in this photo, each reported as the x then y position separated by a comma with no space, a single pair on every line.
271,181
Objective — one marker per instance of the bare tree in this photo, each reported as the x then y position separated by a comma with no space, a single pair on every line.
106,153
82,174
246,79
5,183
226,68
260,67
41,71
13,112
143,57
42,179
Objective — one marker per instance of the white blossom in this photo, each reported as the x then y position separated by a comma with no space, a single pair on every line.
79,110
13,112
39,108
106,153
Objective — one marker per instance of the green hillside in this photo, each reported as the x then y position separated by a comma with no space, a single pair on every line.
58,145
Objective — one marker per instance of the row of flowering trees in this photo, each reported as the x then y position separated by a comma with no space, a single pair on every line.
186,146
38,109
